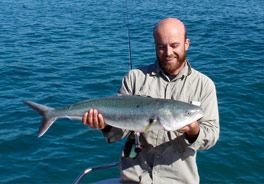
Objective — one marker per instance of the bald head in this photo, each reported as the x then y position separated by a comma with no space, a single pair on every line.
170,24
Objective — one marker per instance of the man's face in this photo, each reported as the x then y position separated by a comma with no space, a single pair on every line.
171,47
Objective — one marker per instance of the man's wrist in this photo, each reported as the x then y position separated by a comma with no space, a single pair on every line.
192,137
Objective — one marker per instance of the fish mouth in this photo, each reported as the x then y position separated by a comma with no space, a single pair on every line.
197,116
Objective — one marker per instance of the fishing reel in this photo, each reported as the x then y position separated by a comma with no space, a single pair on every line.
137,143
132,146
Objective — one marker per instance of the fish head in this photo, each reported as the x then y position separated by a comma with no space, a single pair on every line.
177,119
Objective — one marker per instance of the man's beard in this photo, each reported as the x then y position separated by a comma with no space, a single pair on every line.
171,68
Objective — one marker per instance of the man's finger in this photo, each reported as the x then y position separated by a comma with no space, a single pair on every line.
84,118
95,119
101,121
90,118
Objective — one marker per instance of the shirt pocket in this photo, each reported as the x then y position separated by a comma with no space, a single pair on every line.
149,91
144,93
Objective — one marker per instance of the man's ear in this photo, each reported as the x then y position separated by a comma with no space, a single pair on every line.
187,43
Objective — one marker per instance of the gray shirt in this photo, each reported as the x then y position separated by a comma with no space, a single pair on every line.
168,157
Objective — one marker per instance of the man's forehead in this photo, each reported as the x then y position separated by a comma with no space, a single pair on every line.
169,37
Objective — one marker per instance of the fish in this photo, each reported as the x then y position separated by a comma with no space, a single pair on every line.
130,112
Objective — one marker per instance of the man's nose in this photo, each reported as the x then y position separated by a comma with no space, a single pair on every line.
169,51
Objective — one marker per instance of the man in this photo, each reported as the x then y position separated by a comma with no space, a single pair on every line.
166,157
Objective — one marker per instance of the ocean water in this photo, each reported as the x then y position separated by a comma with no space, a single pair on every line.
61,52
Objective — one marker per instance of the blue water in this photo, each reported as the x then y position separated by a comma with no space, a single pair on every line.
61,52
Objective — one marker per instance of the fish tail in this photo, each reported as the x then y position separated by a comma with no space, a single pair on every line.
47,118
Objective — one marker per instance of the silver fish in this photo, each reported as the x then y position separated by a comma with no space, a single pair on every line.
134,113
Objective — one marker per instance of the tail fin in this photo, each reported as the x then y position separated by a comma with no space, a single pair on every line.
47,119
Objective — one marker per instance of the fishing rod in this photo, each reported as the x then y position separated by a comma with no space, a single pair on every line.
137,134
128,37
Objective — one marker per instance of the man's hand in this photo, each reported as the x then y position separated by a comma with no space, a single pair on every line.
192,131
93,119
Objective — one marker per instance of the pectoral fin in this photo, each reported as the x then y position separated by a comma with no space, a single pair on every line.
152,121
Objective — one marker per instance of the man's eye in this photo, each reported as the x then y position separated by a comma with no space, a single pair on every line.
174,45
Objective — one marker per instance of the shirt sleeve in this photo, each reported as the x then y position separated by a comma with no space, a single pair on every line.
114,134
209,124
127,85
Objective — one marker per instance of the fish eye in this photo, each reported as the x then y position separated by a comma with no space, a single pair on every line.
187,113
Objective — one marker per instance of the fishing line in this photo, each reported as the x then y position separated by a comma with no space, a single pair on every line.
136,134
128,36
